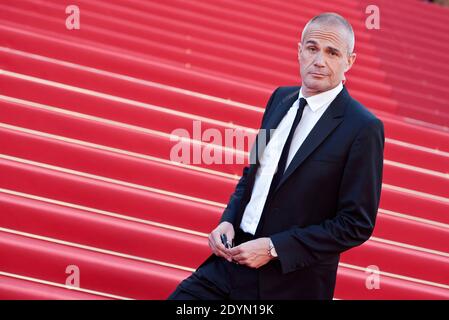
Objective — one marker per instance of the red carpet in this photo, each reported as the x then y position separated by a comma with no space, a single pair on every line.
86,177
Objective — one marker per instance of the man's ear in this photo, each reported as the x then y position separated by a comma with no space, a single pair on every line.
350,61
299,49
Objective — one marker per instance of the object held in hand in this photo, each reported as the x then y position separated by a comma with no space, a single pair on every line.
225,241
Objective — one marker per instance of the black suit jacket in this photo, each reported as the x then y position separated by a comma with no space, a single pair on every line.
326,202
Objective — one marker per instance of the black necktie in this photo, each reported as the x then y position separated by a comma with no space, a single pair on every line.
285,150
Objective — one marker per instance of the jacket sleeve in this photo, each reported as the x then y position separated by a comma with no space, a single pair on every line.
230,211
358,202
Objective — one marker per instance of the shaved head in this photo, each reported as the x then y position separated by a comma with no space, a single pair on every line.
330,19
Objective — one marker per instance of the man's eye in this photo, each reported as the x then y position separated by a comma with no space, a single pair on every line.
333,53
313,49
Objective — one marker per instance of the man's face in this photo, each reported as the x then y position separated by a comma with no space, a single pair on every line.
323,58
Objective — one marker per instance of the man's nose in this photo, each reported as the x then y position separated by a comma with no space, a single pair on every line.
319,59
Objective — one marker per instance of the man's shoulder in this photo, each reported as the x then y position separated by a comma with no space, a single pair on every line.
286,90
360,119
359,112
281,94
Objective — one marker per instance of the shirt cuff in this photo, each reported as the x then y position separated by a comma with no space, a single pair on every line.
273,251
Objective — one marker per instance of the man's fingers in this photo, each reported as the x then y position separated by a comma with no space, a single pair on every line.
220,249
212,245
236,250
218,243
239,258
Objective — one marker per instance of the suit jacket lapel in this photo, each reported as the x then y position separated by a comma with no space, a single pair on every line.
331,118
279,111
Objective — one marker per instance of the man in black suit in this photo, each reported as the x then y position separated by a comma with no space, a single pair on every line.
313,192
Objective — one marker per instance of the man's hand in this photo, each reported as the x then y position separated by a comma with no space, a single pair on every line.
253,254
215,241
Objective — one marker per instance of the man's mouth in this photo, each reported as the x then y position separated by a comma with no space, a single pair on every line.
317,74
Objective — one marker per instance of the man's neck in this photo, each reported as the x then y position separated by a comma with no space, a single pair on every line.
307,93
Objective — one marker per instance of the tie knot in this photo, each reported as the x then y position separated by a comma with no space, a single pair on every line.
302,103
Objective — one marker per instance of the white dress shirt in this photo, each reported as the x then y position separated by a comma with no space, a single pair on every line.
316,106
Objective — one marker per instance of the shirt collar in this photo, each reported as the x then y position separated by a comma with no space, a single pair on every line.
318,101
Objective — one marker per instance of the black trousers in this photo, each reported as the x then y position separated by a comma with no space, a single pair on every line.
219,279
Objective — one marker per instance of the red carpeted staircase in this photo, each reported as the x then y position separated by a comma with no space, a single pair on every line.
86,123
